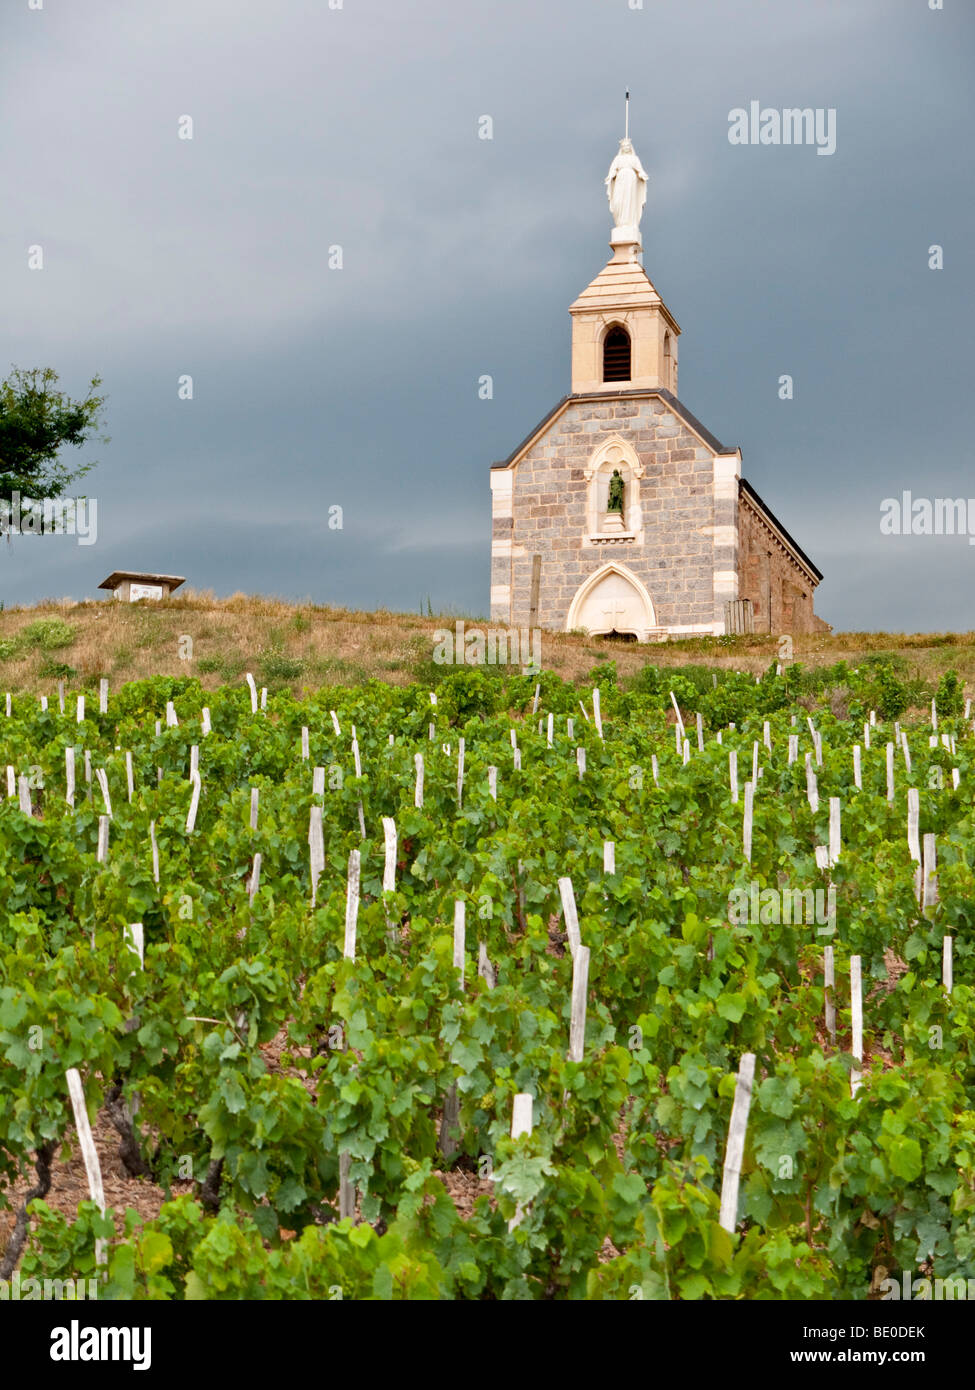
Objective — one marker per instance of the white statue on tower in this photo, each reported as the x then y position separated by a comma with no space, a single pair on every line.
626,189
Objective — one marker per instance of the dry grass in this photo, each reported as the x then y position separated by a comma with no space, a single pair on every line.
308,645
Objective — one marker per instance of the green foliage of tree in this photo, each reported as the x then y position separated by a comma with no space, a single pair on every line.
37,420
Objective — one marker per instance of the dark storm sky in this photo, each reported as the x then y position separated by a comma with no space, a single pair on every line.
358,387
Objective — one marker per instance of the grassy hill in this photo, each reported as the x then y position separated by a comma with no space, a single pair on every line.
299,645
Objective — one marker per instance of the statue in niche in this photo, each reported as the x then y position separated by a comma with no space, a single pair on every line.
615,500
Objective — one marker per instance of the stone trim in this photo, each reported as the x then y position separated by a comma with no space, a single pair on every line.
782,542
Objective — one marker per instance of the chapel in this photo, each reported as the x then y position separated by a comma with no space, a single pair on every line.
620,513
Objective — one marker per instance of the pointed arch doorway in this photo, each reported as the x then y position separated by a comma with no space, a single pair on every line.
612,600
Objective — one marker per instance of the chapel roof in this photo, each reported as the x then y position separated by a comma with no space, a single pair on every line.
622,284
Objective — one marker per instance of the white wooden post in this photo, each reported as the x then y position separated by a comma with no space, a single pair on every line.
755,762
521,1115
550,732
88,1152
581,761
732,774
907,753
570,728
43,702
171,721
133,938
335,723
596,715
735,1149
194,758
351,904
346,1190
793,748
890,772
460,773
654,768
570,914
521,1123
389,843
102,778
316,849
866,736
460,930
197,786
686,752
767,735
700,732
538,692
80,709
254,882
856,998
484,967
812,789
318,781
584,714
580,984
609,857
11,782
69,776
253,690
857,772
418,793
680,720
264,698
930,871
835,843
829,982
103,696
23,789
493,783
747,827
101,853
955,778
88,771
255,800
946,965
358,772
61,697
913,823
205,720
129,779
155,851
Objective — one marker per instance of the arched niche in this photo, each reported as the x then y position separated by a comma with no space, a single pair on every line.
612,599
614,453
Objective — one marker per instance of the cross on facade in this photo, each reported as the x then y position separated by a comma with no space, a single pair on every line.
616,608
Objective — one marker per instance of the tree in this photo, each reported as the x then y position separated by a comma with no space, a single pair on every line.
36,421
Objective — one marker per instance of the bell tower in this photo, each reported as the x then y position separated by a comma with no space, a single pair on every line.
623,335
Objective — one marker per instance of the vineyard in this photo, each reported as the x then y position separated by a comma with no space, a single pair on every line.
312,957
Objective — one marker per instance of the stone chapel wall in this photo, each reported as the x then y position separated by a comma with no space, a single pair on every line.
767,571
676,559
